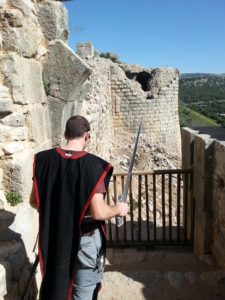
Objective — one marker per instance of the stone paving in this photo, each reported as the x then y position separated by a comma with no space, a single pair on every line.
162,275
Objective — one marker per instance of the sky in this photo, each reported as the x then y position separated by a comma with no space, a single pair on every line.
185,34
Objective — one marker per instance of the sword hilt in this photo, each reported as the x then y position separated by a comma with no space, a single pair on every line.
119,220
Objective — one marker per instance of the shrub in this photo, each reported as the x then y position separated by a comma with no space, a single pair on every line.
13,198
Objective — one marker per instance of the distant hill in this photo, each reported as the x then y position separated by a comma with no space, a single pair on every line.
205,94
193,75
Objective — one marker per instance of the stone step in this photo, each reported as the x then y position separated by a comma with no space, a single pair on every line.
163,285
158,260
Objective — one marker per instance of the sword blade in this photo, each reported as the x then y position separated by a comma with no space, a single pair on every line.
126,187
123,198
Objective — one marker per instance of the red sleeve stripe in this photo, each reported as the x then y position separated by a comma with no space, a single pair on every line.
105,172
38,204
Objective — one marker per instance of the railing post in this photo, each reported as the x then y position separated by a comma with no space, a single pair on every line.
139,207
154,206
147,208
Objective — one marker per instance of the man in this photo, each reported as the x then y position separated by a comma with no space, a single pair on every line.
69,188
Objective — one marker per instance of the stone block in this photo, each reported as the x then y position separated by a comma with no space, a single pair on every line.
25,214
19,172
53,18
9,134
85,50
20,33
27,7
218,206
82,95
21,40
187,137
11,17
15,119
24,77
40,125
13,147
202,193
56,108
6,107
64,72
6,103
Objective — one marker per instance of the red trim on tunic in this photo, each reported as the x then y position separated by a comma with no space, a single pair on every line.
38,204
73,156
70,288
103,230
105,172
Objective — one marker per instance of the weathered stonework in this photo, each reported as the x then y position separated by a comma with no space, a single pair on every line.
53,18
130,105
71,72
85,50
32,47
205,155
98,108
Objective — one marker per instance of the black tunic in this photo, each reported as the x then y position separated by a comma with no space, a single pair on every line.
64,186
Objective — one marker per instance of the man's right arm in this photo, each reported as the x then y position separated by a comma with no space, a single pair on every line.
102,211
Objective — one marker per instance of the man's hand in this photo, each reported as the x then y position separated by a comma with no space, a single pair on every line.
122,209
102,211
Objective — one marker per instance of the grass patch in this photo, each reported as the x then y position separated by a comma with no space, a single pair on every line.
191,118
200,119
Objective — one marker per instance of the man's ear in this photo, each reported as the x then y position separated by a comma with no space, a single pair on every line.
65,135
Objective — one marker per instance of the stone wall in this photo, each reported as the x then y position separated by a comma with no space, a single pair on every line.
40,78
204,151
97,107
153,102
135,95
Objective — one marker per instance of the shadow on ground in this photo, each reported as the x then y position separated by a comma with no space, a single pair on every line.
15,267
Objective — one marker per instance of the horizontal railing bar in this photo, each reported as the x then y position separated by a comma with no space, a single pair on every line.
157,172
146,244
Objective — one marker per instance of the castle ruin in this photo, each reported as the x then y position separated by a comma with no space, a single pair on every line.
42,83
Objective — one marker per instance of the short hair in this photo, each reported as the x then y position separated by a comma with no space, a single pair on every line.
76,126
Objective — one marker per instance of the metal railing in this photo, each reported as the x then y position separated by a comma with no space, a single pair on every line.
160,209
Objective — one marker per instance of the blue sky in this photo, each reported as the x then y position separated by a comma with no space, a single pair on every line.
186,34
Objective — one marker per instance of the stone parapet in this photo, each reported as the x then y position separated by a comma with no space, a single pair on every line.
205,154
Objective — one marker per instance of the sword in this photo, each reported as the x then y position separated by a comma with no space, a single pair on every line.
123,197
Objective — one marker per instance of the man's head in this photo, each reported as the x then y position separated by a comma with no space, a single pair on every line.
76,127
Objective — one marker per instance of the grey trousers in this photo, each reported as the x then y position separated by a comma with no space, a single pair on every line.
88,274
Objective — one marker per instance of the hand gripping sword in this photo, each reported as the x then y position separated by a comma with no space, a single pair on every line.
123,197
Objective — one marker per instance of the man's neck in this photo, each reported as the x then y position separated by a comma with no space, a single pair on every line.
75,145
